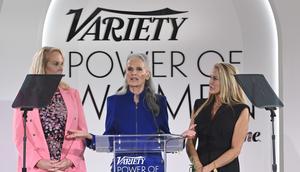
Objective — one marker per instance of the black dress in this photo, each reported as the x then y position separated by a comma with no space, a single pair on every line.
215,134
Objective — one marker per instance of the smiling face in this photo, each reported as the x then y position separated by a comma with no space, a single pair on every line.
136,73
214,82
55,62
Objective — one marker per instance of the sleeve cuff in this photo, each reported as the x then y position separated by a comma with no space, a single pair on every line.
91,144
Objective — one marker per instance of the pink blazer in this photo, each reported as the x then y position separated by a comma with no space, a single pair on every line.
37,147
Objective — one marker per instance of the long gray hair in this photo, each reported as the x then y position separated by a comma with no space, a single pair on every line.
150,97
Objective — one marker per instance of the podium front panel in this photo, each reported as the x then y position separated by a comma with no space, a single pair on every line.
139,152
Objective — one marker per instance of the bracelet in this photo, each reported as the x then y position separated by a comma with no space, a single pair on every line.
197,165
215,167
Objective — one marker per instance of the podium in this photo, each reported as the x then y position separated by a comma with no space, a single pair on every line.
146,152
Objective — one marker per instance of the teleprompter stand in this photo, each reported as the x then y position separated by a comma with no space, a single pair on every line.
261,95
36,92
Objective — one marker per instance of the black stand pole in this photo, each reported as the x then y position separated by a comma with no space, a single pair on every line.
24,169
274,165
36,92
261,95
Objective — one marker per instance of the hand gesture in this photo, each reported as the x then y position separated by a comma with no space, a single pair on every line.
63,165
209,168
199,169
48,165
78,134
190,133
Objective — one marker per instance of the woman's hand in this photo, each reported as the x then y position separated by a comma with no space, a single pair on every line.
63,165
208,168
190,133
78,134
48,165
199,169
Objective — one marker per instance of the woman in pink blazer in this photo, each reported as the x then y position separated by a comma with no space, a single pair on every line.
47,148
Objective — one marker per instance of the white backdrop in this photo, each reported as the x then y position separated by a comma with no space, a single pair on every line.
207,32
210,26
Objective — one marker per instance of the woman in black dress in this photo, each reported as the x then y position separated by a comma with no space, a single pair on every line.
222,123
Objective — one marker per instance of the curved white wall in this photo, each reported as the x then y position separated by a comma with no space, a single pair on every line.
21,25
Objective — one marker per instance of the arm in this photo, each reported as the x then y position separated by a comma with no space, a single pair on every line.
191,151
164,125
239,133
34,159
109,120
75,153
90,139
79,134
32,155
190,133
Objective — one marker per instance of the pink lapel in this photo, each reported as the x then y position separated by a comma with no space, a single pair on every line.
35,127
69,102
67,96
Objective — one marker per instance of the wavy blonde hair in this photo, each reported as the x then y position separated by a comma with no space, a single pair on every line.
40,60
230,91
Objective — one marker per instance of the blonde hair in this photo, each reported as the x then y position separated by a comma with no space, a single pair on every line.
230,91
40,60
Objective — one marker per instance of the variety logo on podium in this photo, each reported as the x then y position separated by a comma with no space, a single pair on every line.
128,160
136,164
